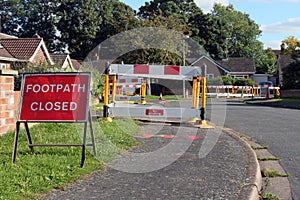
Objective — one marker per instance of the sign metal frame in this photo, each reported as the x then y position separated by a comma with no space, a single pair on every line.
88,118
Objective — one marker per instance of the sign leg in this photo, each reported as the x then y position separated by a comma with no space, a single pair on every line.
92,134
14,154
83,145
28,136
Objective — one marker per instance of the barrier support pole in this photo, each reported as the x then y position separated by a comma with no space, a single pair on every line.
195,96
194,92
114,88
106,96
143,92
202,123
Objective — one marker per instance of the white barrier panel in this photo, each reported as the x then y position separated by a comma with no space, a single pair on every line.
127,98
154,112
156,71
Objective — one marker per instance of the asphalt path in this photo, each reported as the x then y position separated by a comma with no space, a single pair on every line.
219,175
277,128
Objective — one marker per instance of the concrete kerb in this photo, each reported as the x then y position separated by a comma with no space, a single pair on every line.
253,185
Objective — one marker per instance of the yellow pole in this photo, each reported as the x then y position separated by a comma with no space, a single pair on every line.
194,95
202,123
203,102
198,92
114,88
143,92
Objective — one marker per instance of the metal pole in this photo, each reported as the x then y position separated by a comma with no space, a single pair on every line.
184,37
202,122
203,102
106,94
114,88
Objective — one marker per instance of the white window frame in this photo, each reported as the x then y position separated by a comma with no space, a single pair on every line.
2,66
209,76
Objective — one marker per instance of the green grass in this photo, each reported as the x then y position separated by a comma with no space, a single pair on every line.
259,147
293,100
272,173
267,158
46,168
267,196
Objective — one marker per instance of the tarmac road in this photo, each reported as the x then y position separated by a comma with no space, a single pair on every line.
277,128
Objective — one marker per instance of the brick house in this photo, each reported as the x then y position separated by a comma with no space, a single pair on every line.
20,52
282,62
16,53
64,62
234,66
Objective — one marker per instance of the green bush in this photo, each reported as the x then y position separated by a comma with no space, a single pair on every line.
215,81
227,80
221,80
244,82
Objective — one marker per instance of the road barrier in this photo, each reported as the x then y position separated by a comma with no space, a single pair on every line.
153,112
152,71
230,91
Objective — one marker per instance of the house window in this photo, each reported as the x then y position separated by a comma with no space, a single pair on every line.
210,76
2,66
240,76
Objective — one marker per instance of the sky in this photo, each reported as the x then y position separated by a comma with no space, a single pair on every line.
278,19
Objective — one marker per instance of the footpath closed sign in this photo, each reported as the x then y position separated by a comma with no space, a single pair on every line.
60,97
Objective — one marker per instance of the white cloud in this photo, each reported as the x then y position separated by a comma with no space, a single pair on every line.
207,5
274,44
291,26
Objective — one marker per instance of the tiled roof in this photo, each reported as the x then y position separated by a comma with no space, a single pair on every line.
238,64
21,48
59,59
76,64
4,52
284,60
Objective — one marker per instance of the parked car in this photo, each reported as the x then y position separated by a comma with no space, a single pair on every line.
268,83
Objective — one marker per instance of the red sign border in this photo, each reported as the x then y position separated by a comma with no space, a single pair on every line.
51,74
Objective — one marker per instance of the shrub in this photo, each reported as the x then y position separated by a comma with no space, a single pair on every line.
227,80
244,82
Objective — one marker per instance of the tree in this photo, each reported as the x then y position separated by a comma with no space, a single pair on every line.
290,45
27,18
234,33
265,62
116,18
79,27
184,9
291,74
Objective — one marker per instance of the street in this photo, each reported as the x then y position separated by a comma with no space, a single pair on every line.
277,128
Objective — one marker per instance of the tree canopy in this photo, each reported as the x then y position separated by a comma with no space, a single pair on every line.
79,26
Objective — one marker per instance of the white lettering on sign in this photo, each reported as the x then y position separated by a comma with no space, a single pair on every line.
57,106
45,88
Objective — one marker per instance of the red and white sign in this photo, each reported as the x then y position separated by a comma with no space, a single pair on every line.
55,97
154,112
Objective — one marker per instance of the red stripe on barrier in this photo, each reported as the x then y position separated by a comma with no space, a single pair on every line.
134,80
122,80
141,69
155,112
172,70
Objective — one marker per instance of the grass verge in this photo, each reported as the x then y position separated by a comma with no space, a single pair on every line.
272,173
46,168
